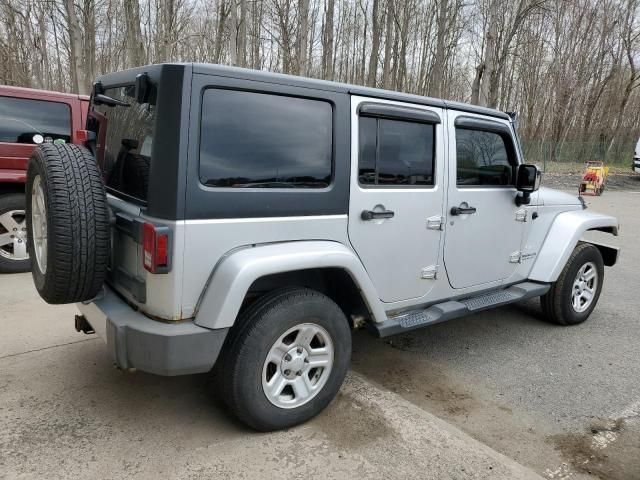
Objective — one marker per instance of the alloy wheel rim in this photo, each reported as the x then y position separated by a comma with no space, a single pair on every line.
297,366
39,224
584,287
13,235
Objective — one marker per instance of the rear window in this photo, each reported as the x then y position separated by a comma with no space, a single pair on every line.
29,121
260,140
125,156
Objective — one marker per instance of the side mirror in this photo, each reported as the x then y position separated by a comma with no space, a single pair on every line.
527,182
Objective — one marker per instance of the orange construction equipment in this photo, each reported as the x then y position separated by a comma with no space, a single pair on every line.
593,179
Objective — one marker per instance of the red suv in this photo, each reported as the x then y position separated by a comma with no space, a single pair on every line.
27,118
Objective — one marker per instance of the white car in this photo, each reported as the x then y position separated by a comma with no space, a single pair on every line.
636,158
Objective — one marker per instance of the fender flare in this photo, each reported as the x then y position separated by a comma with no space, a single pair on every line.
234,275
563,236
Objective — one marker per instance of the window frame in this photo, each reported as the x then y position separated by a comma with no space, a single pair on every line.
383,111
41,100
266,189
464,122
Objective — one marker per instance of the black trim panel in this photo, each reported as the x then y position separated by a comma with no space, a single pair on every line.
205,202
394,112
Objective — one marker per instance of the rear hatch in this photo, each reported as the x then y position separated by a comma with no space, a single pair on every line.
134,163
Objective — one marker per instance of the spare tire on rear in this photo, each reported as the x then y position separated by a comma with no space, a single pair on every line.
67,223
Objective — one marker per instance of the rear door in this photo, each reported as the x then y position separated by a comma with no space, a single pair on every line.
123,151
396,202
485,226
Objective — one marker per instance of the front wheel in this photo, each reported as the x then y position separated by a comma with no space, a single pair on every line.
575,294
286,359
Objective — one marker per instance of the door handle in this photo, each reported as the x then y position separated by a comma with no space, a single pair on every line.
371,215
463,210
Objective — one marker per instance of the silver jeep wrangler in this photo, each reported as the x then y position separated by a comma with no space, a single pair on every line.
243,222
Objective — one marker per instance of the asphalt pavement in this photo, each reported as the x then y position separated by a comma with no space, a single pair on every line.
500,394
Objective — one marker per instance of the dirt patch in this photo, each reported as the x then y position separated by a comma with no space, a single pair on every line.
607,449
393,364
571,181
367,423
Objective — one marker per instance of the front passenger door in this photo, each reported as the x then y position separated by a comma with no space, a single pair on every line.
485,227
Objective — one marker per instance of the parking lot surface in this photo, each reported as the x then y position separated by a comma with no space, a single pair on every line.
455,400
564,401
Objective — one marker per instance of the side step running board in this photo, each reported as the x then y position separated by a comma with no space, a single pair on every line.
457,308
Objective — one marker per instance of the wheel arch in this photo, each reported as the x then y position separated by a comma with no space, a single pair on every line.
245,274
566,231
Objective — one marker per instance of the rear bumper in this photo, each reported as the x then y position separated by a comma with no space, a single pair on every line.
136,341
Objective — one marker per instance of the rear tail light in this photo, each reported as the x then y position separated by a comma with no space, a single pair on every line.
156,248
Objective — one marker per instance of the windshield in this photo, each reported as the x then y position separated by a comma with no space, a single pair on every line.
125,152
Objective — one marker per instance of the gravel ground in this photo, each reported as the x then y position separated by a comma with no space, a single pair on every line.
571,181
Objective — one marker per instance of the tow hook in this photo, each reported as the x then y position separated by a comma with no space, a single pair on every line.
82,325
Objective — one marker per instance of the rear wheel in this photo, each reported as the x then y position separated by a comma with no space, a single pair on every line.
13,234
286,359
67,223
575,294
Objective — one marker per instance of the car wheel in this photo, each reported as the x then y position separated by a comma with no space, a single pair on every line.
285,360
13,234
575,294
67,223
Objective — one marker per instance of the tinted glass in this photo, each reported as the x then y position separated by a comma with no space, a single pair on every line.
264,141
482,159
394,152
368,142
34,121
126,156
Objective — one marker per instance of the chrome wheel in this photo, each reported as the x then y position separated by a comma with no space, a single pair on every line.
13,235
39,223
584,287
297,366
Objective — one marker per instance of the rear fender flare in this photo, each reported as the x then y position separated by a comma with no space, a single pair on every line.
566,231
234,275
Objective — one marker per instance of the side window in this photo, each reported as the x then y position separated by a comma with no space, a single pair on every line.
23,120
483,159
261,140
395,152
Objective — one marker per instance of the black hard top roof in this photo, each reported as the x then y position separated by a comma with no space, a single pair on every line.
304,82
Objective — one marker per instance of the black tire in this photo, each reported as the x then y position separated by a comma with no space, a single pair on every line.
557,303
10,203
240,369
77,223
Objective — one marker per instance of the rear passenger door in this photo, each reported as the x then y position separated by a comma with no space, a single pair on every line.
396,202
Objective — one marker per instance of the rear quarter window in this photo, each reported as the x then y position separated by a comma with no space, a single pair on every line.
259,140
28,121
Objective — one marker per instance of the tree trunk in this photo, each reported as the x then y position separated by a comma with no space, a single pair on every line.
375,44
133,39
327,42
488,70
242,35
75,49
303,36
233,34
437,72
388,42
222,17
